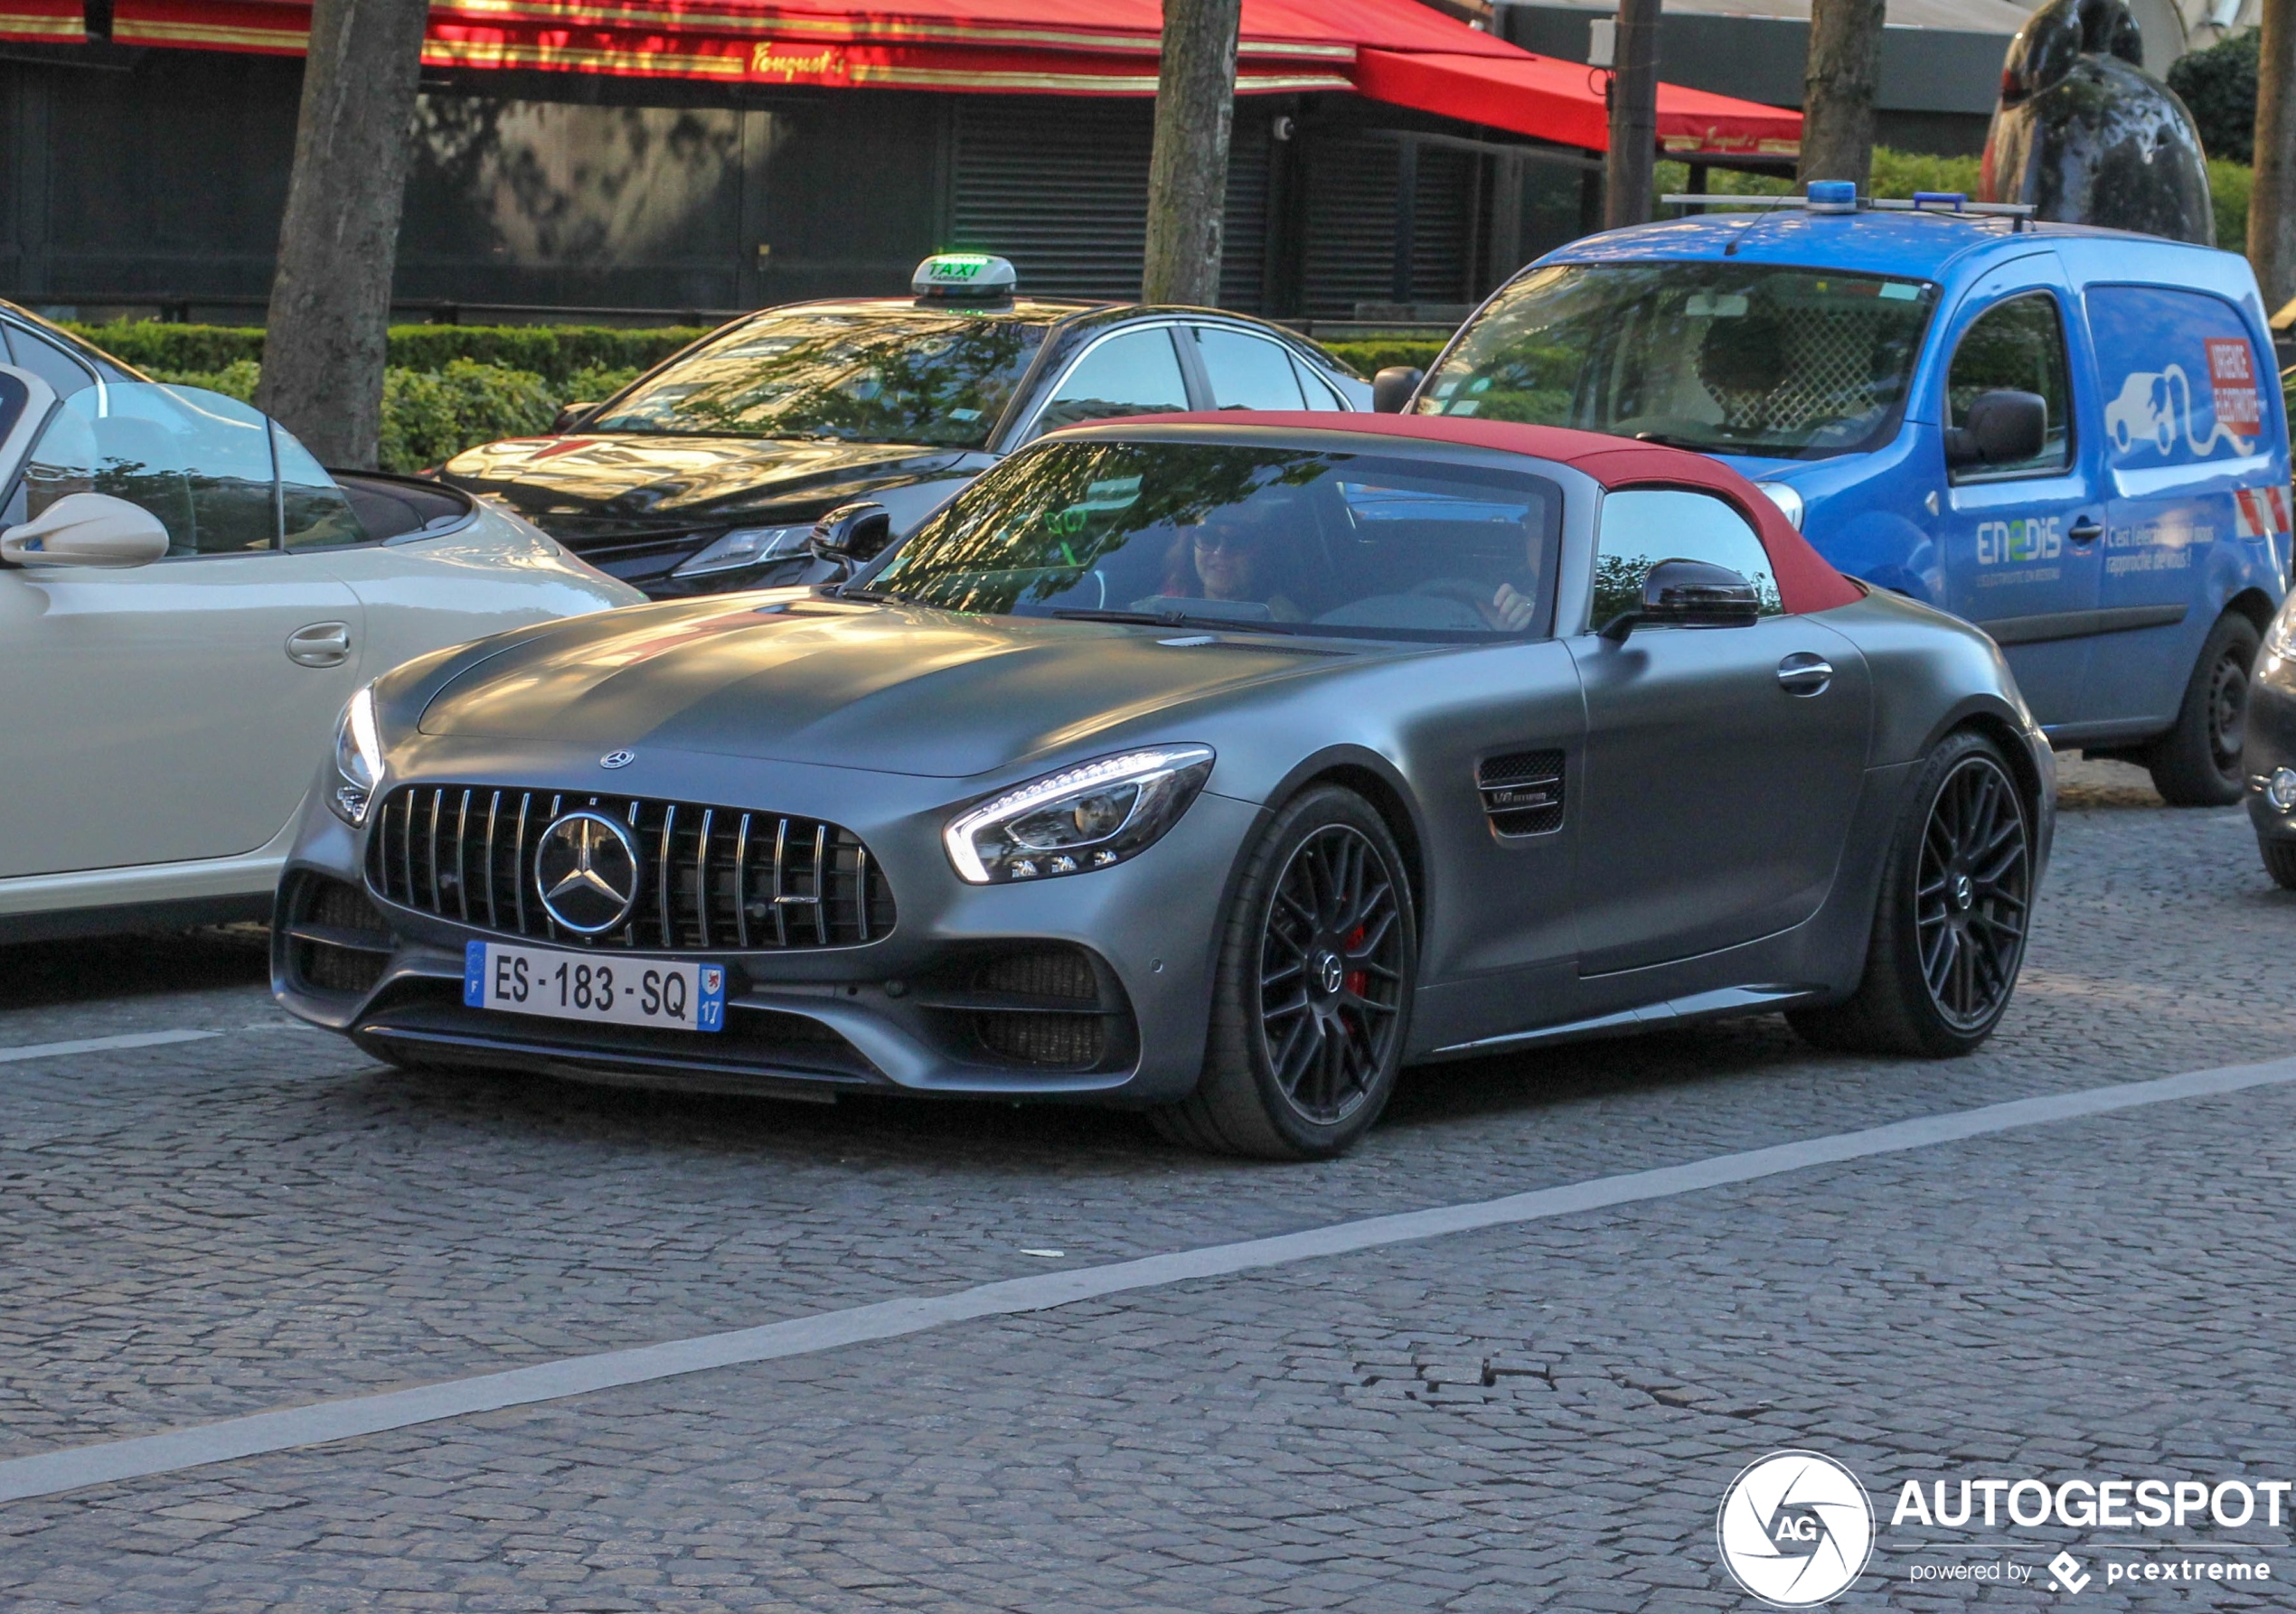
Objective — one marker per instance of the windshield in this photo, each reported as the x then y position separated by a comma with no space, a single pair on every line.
1274,540
872,375
1723,357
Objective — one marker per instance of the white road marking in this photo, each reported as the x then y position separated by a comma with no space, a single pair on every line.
100,1045
73,1467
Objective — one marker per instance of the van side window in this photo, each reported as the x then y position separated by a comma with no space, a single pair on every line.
1643,526
2018,346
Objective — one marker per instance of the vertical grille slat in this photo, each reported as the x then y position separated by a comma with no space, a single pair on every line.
741,884
706,879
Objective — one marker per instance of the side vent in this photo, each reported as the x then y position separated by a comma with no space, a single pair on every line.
1523,793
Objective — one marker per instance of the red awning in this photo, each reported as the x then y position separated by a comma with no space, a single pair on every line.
1563,101
1395,51
42,21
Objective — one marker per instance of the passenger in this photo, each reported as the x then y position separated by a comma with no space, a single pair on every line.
1233,554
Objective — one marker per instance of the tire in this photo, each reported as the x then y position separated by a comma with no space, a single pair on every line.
1318,960
2280,862
1950,929
2197,764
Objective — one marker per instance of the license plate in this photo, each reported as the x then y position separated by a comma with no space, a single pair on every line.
583,986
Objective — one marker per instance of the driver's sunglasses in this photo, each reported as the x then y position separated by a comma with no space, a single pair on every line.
1233,543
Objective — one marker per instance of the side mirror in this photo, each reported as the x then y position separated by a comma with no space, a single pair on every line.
86,529
1689,594
852,535
1392,387
2003,428
569,418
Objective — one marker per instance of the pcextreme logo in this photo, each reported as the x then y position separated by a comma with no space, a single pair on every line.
1795,1529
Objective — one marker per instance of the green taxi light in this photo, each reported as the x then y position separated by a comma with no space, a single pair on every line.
948,275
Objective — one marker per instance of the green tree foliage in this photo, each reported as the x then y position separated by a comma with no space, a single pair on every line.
2219,84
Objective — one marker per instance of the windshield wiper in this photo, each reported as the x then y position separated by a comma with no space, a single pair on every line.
1179,619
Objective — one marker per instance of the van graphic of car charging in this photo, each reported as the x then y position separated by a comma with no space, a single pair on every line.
2142,411
2067,435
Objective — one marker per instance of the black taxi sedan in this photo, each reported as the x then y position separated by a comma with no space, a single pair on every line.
709,472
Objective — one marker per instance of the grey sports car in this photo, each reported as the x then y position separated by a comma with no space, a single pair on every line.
1218,769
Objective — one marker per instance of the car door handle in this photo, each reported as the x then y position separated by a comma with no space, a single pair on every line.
1803,673
2086,531
322,644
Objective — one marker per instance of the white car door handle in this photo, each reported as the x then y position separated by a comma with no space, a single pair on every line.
322,644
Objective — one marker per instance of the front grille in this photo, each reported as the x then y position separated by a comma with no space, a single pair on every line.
709,878
1522,792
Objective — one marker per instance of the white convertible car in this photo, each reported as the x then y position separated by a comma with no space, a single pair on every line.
187,601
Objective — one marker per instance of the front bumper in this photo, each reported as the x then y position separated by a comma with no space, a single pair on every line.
2270,742
1088,986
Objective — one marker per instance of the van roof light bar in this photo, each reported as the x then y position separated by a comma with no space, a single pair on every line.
1839,196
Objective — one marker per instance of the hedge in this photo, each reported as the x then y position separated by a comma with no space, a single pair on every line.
1902,173
429,416
558,354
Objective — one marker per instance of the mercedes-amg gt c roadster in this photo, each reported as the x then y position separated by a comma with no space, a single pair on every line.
1214,766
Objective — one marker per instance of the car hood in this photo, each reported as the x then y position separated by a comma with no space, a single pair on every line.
570,486
890,689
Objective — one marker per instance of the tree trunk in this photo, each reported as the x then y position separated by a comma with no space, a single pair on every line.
1838,85
323,349
1634,152
1188,170
2271,204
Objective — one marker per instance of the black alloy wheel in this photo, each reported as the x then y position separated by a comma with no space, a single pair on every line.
1951,917
1974,893
1318,961
2197,764
1330,972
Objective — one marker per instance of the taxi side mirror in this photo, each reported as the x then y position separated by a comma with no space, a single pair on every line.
2004,427
571,418
851,534
1392,387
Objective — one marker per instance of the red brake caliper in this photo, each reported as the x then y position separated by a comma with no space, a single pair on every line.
1359,981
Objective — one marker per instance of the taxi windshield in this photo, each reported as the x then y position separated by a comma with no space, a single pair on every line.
1724,358
862,375
1264,539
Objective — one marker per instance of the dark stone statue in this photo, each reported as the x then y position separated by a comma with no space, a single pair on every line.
2084,134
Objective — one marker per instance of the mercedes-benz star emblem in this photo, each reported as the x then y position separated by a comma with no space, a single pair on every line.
587,867
617,759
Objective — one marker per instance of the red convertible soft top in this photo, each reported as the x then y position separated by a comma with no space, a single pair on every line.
1805,581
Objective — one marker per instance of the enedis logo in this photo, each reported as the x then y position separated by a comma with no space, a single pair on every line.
2027,538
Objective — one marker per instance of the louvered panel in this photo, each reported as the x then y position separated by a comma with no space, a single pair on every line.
1349,256
1060,187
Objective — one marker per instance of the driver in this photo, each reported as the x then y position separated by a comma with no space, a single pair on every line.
1234,553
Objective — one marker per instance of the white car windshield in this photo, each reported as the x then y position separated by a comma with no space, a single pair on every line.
1724,358
1272,539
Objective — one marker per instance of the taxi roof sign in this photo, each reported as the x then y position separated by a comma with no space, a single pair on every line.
968,276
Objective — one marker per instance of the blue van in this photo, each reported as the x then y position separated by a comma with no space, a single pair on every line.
2073,438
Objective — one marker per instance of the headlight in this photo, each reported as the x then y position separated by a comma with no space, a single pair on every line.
1087,817
2280,638
358,759
1785,499
2280,790
746,546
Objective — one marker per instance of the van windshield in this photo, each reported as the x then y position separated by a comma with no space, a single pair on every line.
1724,358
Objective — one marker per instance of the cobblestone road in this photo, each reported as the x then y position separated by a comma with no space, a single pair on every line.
1543,1416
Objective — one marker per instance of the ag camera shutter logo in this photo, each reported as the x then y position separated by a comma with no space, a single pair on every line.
1796,1529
